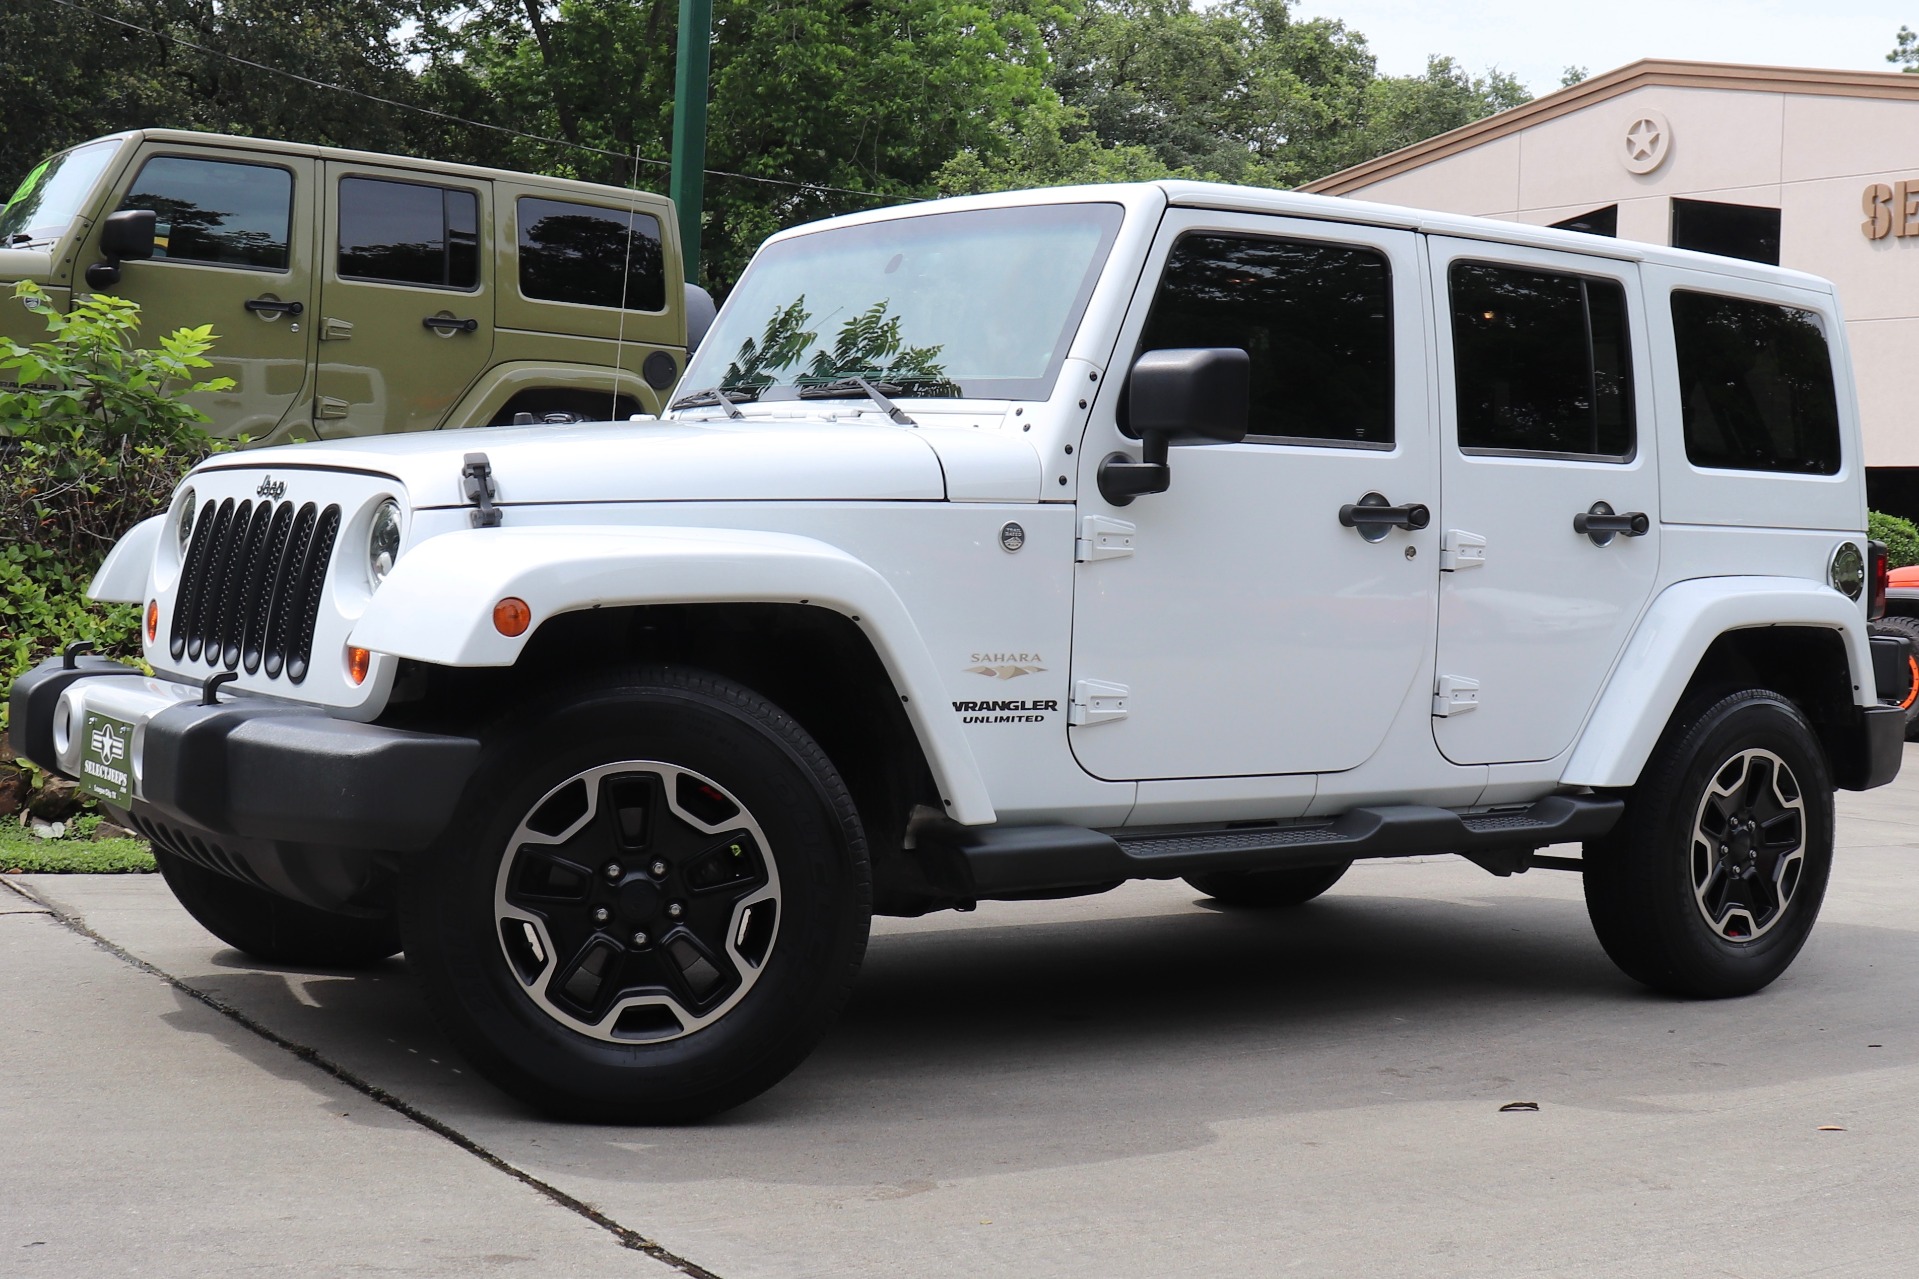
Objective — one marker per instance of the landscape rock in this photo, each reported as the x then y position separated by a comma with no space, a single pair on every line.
58,800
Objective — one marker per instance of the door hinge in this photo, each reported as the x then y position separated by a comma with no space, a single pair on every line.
332,330
1455,695
1095,701
328,407
1460,549
1103,538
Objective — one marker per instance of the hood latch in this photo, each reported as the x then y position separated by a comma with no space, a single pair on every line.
476,477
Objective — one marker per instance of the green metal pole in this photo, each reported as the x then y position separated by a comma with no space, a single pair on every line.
688,183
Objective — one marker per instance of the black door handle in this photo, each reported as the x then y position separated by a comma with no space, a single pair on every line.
1374,516
267,306
447,324
1601,523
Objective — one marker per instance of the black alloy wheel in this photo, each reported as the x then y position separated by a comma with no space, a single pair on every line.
1714,876
653,905
1908,698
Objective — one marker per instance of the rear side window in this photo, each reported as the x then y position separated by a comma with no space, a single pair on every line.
221,212
407,233
1315,318
574,253
1755,385
1542,363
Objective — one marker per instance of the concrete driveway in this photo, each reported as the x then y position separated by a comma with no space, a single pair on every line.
1128,1085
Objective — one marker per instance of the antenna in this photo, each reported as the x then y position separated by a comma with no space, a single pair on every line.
626,282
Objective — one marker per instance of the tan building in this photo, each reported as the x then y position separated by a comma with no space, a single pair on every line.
1814,170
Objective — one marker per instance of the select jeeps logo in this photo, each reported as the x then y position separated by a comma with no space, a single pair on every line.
108,745
272,488
1005,665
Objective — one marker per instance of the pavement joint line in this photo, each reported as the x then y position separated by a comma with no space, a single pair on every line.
628,1238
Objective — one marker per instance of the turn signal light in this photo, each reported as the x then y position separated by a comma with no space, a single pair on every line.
153,620
357,660
511,616
1877,576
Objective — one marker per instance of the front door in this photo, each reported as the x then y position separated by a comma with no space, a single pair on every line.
406,299
233,248
1232,626
1546,415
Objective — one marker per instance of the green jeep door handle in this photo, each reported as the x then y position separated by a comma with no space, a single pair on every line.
448,324
273,306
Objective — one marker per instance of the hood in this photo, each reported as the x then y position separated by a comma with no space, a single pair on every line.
684,461
26,264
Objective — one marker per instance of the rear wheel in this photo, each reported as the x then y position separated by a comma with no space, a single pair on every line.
1268,889
1908,698
1714,876
273,929
654,906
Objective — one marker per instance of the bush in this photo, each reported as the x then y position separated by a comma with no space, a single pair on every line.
93,436
1900,536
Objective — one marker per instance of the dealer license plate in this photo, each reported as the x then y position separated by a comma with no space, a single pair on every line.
106,763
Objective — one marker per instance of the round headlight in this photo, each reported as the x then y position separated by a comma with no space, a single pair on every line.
1848,570
186,520
383,542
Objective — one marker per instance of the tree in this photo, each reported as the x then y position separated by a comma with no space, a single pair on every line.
1905,50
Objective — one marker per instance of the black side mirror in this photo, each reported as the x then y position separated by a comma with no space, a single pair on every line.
1193,393
126,236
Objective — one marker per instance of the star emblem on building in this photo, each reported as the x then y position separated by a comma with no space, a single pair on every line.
1642,140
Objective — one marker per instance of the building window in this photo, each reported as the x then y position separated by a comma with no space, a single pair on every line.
574,253
1542,363
1316,319
406,233
1755,385
1599,222
1731,230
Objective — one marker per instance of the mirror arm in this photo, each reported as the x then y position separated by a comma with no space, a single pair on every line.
1121,479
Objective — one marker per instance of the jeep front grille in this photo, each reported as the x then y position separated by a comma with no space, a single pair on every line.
250,590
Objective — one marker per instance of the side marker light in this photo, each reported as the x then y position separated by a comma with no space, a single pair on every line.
357,661
511,616
153,620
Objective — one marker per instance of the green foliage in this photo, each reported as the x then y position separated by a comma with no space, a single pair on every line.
817,108
1901,537
24,853
1905,50
93,435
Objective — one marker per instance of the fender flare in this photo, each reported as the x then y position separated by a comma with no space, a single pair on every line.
122,578
1668,645
436,606
500,383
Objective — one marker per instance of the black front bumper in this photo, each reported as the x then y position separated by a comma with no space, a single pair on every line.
274,793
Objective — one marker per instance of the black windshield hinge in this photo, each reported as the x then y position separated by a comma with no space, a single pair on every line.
477,479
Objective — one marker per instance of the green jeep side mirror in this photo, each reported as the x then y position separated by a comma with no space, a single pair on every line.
126,236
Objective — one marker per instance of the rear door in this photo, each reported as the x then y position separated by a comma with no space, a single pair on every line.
233,247
1546,415
406,302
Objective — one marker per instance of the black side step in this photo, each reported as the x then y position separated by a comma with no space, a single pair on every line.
1033,861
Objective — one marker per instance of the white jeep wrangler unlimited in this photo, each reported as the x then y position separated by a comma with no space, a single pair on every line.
1012,547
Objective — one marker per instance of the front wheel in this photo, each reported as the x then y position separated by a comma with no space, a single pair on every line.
653,907
1714,876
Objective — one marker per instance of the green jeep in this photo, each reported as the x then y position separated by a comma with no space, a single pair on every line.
359,294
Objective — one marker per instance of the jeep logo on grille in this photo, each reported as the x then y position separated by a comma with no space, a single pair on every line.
270,487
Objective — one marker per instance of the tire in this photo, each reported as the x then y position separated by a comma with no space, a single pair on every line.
272,929
652,905
1268,889
1909,628
1659,892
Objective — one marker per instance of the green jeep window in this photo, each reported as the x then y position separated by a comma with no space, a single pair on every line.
408,233
220,212
573,253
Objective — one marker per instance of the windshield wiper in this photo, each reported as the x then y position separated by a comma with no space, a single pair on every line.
838,390
730,400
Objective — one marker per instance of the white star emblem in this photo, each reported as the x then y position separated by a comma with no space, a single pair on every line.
1642,139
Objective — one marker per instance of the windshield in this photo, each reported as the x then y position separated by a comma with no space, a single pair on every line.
981,304
52,195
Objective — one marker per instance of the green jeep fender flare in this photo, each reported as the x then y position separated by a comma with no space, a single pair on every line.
499,384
